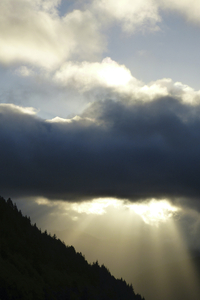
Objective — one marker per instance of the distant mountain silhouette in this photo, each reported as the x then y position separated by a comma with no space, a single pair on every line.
37,266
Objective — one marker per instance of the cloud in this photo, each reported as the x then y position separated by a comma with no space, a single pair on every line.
32,32
24,71
96,207
143,15
86,75
110,79
191,10
8,109
132,15
68,90
116,149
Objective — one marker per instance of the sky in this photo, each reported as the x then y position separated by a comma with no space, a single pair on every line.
100,129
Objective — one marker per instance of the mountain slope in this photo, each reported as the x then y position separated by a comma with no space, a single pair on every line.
35,265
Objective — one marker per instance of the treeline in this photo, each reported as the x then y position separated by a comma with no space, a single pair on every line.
37,266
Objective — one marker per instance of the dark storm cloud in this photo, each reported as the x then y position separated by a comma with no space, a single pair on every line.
133,151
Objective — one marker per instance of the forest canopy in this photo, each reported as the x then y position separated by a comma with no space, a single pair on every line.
37,265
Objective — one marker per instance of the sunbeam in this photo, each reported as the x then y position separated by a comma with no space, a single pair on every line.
137,241
172,274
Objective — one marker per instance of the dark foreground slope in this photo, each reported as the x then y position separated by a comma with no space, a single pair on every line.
34,265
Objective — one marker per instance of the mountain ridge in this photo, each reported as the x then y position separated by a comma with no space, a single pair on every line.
36,265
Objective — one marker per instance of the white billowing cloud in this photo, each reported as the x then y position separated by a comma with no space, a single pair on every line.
32,32
119,82
166,87
131,14
188,94
7,107
86,75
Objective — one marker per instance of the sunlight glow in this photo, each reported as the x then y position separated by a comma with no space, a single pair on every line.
113,74
97,206
154,211
118,233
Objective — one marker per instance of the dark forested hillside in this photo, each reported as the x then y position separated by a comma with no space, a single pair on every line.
35,265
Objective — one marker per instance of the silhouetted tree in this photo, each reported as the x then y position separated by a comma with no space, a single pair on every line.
34,265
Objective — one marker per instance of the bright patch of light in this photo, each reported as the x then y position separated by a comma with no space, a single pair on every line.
44,201
85,76
97,206
62,120
113,74
154,211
